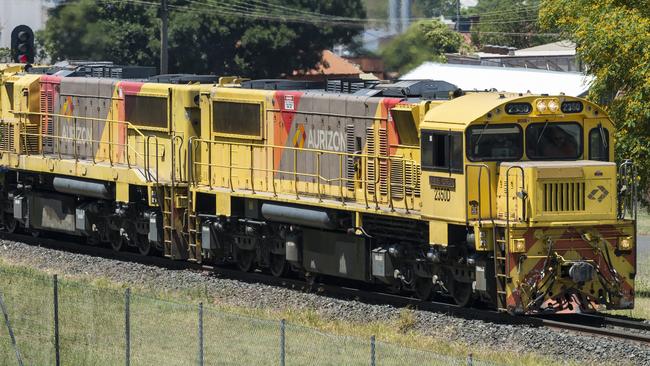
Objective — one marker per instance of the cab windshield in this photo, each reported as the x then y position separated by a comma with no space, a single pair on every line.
557,141
494,142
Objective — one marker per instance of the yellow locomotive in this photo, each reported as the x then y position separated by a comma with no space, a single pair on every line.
510,199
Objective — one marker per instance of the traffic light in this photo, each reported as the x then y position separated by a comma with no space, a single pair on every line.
22,44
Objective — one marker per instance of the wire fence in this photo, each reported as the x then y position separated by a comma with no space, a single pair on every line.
54,322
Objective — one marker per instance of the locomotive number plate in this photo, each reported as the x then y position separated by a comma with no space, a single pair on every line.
442,183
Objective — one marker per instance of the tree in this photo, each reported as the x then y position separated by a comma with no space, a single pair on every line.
207,36
508,23
613,39
436,8
423,41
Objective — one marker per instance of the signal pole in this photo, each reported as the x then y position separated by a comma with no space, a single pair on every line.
164,14
457,15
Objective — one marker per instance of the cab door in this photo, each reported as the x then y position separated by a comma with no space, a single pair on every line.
443,180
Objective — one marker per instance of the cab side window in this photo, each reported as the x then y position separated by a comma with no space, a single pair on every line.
442,151
599,144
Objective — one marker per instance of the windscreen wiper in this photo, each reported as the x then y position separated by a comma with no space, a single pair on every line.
475,144
539,138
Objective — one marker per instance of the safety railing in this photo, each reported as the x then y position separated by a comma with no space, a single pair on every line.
75,137
480,167
336,182
627,190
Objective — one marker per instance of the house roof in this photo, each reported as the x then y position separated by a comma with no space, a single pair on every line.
331,64
559,48
507,79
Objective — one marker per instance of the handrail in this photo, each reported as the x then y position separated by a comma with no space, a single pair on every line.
481,166
297,175
508,193
627,171
127,147
174,160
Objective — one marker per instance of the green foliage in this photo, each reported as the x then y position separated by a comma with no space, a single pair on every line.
204,36
423,41
613,38
501,19
5,55
436,8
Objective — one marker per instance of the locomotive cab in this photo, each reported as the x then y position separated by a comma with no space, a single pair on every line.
531,180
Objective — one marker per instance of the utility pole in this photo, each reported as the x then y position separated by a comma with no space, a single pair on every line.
164,14
457,15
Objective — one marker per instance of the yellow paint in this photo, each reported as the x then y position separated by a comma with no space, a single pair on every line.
122,192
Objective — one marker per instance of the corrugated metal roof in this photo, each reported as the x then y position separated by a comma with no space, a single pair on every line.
515,80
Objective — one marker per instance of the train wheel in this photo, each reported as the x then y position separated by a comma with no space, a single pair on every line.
117,241
278,265
245,260
423,288
11,224
461,292
143,244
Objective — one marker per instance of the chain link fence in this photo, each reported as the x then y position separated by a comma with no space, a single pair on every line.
53,322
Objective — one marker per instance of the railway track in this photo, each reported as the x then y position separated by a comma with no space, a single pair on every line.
594,324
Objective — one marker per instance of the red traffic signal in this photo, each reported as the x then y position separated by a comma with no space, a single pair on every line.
22,44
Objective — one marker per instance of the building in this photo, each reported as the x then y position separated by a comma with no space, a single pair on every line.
556,56
506,79
32,13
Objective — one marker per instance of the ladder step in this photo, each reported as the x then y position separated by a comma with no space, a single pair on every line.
502,293
500,258
501,275
501,241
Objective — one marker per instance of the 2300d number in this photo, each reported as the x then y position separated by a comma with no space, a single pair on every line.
442,195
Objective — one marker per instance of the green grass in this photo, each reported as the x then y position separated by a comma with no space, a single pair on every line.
643,222
164,330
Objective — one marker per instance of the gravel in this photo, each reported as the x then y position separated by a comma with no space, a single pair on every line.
559,344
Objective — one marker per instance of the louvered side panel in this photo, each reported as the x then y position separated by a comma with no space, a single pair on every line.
29,141
383,163
6,137
371,175
349,160
397,178
47,124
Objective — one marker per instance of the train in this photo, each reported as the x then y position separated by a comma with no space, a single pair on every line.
513,201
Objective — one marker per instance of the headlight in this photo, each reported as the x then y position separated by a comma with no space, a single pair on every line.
547,106
518,245
625,243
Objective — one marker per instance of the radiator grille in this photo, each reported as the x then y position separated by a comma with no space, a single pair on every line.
6,136
47,124
29,141
412,176
397,179
349,160
563,197
370,162
383,163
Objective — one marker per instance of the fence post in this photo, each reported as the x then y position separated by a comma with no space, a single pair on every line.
200,334
470,360
57,354
11,332
282,344
372,351
127,324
